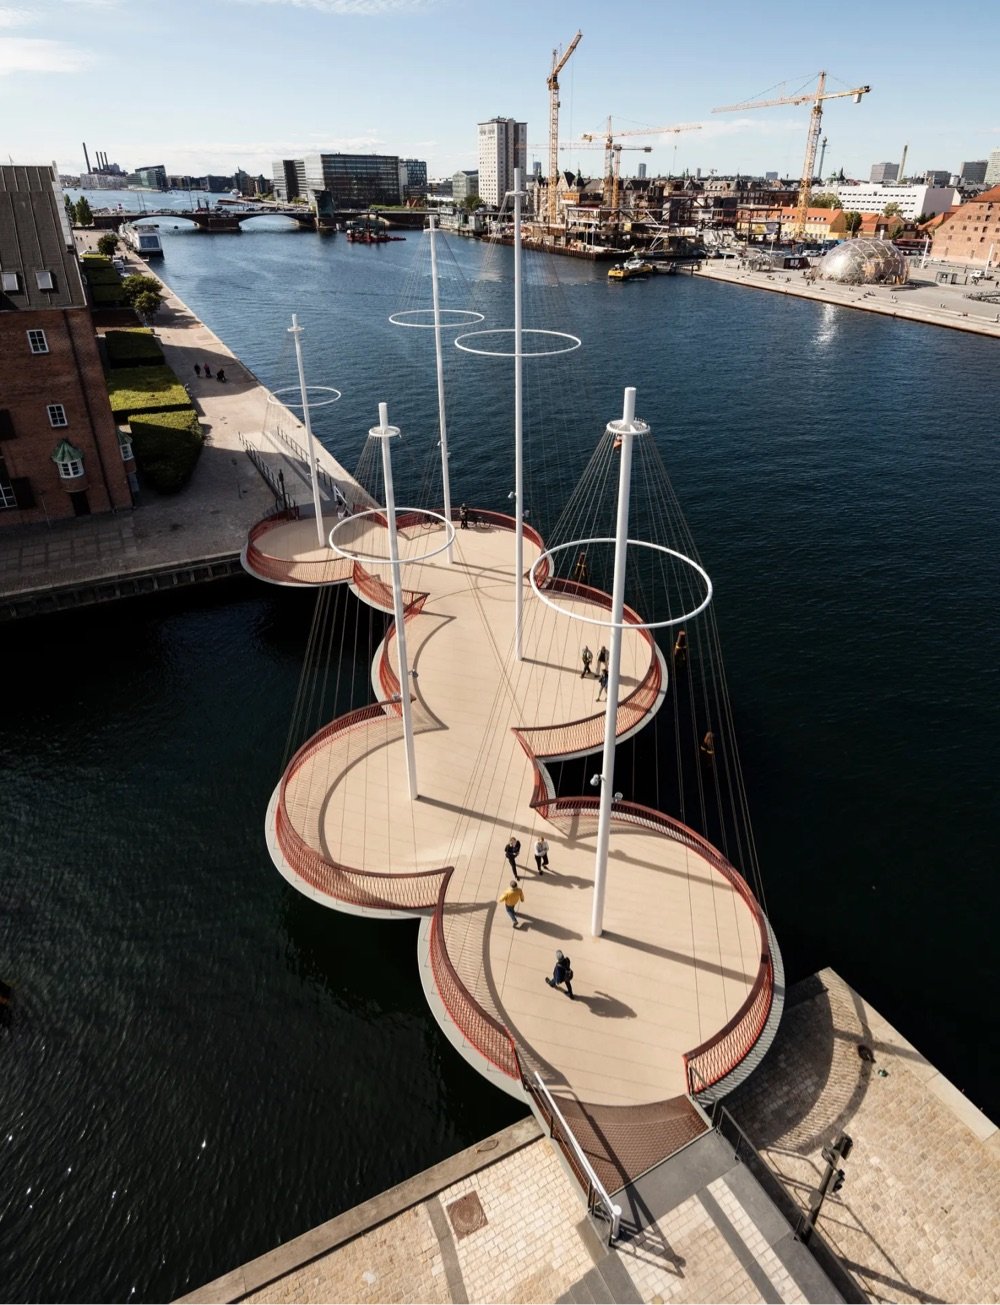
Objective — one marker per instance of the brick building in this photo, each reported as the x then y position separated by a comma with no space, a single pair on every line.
60,455
971,232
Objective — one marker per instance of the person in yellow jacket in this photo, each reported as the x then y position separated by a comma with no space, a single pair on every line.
510,899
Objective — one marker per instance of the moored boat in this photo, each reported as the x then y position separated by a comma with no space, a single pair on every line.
144,240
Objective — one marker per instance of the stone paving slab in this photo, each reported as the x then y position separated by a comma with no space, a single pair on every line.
918,1218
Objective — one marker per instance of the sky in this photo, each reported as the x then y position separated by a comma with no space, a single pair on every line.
213,85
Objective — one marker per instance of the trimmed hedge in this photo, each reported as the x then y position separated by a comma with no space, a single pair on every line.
132,348
145,389
102,295
167,446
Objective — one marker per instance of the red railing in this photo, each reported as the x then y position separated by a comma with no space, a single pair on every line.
379,594
387,676
720,1054
587,733
413,892
486,1034
332,570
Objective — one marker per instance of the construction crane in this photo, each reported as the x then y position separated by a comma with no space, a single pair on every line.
612,155
815,121
558,64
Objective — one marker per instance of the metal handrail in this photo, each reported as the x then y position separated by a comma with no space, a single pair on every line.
614,1212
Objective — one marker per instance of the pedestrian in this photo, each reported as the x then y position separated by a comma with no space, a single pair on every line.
562,973
681,647
587,657
541,854
208,371
581,572
511,899
602,685
602,659
220,375
463,516
197,369
708,746
511,852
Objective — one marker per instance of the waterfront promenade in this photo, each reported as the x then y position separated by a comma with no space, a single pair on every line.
921,300
210,517
915,1221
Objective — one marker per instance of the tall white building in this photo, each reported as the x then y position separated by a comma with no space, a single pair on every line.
866,197
503,146
993,169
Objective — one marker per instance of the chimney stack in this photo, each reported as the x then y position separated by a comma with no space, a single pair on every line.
86,157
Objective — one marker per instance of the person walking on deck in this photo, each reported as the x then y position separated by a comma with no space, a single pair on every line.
587,657
602,659
562,974
511,899
511,853
541,854
197,370
602,684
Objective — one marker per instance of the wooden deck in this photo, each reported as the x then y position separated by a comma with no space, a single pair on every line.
681,947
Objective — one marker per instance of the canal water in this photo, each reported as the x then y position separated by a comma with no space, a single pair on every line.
200,1063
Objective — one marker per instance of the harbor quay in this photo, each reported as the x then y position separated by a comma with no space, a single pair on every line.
916,1218
922,299
196,535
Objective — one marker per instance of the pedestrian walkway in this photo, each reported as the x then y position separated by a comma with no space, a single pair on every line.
505,1222
921,299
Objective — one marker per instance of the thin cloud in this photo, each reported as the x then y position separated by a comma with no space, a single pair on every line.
353,8
14,17
26,54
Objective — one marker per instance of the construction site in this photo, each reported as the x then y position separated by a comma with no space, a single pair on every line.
666,217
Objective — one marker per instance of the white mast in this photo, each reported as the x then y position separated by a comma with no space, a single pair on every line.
296,332
518,429
624,430
442,422
385,432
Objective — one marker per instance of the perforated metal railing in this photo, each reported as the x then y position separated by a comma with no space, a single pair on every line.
719,1055
327,570
587,733
416,891
489,1037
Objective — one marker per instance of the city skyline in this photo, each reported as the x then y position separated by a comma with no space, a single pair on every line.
239,83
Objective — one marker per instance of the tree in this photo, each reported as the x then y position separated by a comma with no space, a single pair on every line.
892,209
70,210
824,201
147,304
83,212
895,228
471,203
107,244
852,221
145,287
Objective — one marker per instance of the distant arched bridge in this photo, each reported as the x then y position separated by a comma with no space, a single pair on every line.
231,219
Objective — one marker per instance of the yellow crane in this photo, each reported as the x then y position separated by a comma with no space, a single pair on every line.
815,120
558,64
613,151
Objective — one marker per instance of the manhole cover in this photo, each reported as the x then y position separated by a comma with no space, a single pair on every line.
466,1215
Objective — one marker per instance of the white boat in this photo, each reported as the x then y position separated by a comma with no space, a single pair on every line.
144,240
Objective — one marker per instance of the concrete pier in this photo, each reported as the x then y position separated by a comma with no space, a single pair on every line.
922,300
915,1221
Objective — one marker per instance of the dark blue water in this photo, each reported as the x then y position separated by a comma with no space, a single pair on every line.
201,1063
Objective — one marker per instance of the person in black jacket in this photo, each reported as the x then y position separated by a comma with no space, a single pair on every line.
562,974
511,853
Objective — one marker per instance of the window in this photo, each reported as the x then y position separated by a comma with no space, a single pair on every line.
11,283
45,280
8,499
71,469
37,342
57,415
